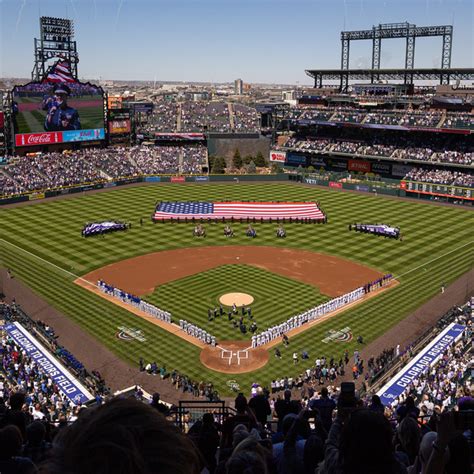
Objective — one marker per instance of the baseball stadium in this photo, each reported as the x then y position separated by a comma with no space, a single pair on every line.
142,257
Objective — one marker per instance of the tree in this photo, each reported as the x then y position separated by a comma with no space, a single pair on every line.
260,160
251,168
218,167
247,159
211,159
237,160
277,168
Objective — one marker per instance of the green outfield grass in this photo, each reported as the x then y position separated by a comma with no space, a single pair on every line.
202,291
437,247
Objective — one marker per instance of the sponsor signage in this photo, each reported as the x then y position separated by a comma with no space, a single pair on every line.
119,114
359,165
420,364
152,179
48,364
340,164
295,159
335,184
201,178
83,135
278,156
344,335
310,181
178,179
119,127
381,168
34,139
34,196
318,162
361,187
401,170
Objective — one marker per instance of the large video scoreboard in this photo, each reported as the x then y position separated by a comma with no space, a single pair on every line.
443,190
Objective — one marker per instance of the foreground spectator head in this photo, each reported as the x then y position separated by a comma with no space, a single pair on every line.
248,457
10,448
366,444
123,436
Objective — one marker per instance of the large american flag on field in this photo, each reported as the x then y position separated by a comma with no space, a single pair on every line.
60,72
237,210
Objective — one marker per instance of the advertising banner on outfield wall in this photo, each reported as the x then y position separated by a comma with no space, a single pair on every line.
401,170
201,178
318,162
152,179
295,159
278,156
381,168
178,179
338,163
359,165
335,184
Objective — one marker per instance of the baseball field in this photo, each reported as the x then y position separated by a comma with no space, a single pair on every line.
43,247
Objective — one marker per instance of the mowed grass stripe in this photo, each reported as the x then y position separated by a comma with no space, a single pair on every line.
52,230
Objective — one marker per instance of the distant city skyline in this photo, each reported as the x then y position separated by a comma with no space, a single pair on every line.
218,41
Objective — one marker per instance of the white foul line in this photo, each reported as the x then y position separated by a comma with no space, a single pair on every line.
433,260
49,263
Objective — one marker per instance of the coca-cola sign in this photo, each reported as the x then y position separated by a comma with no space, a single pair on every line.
38,139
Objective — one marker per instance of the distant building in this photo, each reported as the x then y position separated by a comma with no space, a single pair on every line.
238,86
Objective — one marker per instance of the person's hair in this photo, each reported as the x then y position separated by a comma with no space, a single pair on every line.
246,462
287,394
123,436
10,442
366,443
410,402
409,434
208,419
376,400
324,392
240,402
17,400
35,433
248,457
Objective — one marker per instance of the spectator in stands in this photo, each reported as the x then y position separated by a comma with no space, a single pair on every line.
205,436
243,416
10,448
408,409
286,406
36,448
260,406
360,442
123,436
325,407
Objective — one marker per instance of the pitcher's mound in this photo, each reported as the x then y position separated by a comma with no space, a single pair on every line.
240,299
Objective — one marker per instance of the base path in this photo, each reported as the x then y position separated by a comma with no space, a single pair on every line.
334,276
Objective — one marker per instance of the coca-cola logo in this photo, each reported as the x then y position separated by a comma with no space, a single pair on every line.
43,138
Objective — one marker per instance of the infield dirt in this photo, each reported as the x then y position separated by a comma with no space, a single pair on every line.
140,276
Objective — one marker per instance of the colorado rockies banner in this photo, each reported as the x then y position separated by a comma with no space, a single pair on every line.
47,364
420,364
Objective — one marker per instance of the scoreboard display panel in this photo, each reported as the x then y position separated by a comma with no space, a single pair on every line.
434,189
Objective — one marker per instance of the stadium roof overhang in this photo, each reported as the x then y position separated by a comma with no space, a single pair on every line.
407,75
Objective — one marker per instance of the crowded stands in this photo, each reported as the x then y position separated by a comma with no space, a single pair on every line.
58,170
453,178
428,429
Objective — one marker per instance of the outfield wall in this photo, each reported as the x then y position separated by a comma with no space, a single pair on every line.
144,179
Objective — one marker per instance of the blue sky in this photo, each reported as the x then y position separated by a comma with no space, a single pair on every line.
271,41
